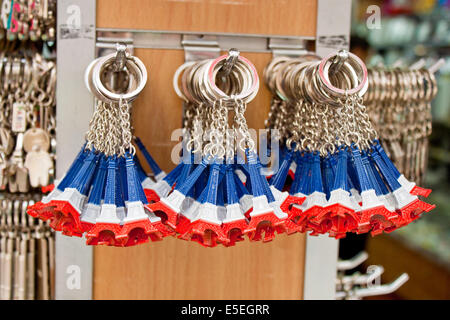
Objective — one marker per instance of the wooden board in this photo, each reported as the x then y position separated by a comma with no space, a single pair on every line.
277,17
175,269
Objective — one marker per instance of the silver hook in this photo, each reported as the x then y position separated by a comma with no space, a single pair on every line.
435,67
338,61
419,64
398,63
120,61
353,262
233,55
382,289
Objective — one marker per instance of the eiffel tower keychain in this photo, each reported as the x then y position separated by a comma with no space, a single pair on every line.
102,194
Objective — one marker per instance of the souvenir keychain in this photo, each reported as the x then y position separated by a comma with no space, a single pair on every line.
348,182
224,196
102,193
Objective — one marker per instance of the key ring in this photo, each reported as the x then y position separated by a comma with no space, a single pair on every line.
323,73
138,70
247,94
180,70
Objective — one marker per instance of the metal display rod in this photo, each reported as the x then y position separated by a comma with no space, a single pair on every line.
151,39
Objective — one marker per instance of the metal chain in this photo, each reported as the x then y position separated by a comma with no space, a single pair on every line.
245,141
125,127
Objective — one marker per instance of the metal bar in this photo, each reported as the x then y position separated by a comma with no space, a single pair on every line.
76,49
332,34
150,39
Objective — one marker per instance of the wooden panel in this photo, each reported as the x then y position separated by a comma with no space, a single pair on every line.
175,269
281,17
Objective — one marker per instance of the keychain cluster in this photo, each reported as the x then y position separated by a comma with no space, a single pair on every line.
28,20
27,121
27,252
102,194
217,194
399,105
331,154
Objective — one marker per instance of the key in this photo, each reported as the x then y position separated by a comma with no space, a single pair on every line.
418,160
3,171
7,289
42,272
397,151
7,140
31,257
51,262
3,244
18,174
16,250
36,142
24,237
36,139
39,163
424,157
413,160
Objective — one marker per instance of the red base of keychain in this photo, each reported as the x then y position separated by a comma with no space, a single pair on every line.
382,225
342,219
183,226
104,234
167,215
48,188
207,234
413,211
68,212
66,226
419,191
288,204
137,232
267,223
151,196
87,226
299,218
309,224
318,228
371,218
163,229
43,211
291,227
234,231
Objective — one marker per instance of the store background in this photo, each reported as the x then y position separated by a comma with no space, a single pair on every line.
411,30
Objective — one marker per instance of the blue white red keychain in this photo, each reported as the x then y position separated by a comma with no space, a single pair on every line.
102,194
336,161
207,201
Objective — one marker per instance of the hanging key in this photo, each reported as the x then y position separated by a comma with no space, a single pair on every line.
18,173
